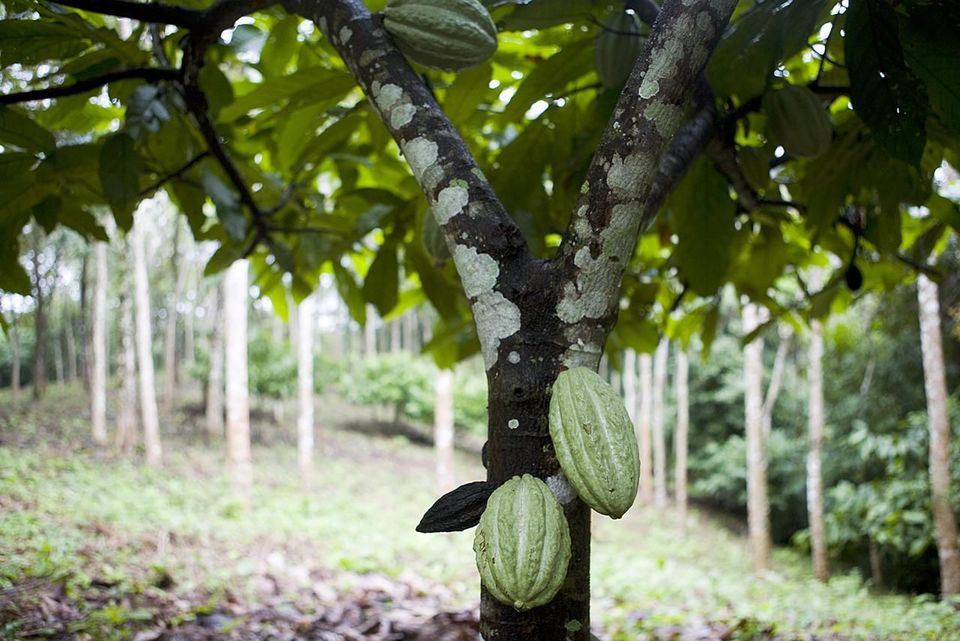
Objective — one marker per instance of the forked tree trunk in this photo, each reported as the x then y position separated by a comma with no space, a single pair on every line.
236,293
14,359
98,347
126,437
680,435
645,428
443,429
935,385
758,503
214,409
305,325
659,420
818,536
148,394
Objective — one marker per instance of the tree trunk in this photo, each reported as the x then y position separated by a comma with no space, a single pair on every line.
14,359
758,503
305,326
170,331
189,331
39,328
236,293
70,349
395,334
680,435
659,419
370,332
630,384
126,437
644,427
776,378
443,430
98,347
148,393
876,563
58,357
214,407
818,537
935,385
409,322
83,326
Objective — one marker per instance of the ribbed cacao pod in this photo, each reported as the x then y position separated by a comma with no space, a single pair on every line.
619,43
594,441
442,34
797,120
523,543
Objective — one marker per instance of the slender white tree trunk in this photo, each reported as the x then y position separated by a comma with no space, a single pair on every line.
644,427
680,435
776,378
443,429
630,384
236,293
818,538
935,385
758,504
126,436
305,326
370,332
170,331
659,427
214,409
98,336
148,394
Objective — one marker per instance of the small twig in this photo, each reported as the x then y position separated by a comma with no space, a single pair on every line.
150,74
282,202
174,175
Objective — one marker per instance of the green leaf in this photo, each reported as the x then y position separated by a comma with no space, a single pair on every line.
931,47
30,42
225,255
350,293
470,87
13,278
540,14
756,42
120,168
216,87
227,203
296,132
47,211
83,222
19,130
551,76
317,84
381,286
886,95
280,46
189,199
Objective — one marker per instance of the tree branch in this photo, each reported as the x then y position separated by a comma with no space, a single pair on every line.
150,74
173,175
156,12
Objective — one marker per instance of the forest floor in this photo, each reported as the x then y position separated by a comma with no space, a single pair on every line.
104,548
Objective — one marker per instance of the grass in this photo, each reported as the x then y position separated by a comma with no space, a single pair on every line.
66,514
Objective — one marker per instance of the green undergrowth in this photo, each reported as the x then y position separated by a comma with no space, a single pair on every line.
68,516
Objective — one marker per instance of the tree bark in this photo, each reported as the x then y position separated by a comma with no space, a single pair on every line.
935,386
58,357
39,326
630,384
659,420
776,378
14,359
370,332
214,408
644,427
70,348
818,537
98,347
758,503
680,435
443,429
395,333
170,331
305,326
236,294
126,436
148,394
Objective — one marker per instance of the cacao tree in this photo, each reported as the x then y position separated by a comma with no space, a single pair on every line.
573,213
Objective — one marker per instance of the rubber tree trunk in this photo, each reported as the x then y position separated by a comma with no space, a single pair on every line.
370,332
214,408
659,423
644,429
630,384
148,394
305,326
443,429
235,300
776,378
39,327
170,329
818,537
98,347
126,436
14,359
935,385
680,435
758,503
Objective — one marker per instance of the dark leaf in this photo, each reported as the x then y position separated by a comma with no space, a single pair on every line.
19,130
120,168
457,510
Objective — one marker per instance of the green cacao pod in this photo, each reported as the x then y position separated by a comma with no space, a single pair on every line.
594,441
797,120
523,543
442,34
619,43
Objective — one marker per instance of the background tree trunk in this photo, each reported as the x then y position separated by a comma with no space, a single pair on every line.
58,358
126,437
98,347
148,393
776,378
370,332
659,420
305,325
443,429
935,385
680,435
758,503
630,384
235,302
14,359
214,409
39,326
170,331
818,539
70,348
644,427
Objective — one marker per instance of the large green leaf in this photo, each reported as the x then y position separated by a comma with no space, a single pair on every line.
885,93
120,169
280,46
382,284
470,87
317,84
551,76
20,131
30,42
931,47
